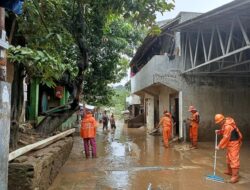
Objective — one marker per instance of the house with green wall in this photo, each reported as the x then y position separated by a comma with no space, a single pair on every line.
42,99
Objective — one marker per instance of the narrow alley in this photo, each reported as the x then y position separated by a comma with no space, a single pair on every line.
136,67
132,159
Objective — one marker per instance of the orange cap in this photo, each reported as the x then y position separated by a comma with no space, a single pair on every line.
218,118
191,108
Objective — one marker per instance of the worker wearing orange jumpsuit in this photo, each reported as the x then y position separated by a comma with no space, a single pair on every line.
193,126
232,140
88,133
166,124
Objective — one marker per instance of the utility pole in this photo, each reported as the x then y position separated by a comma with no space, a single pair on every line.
3,59
4,105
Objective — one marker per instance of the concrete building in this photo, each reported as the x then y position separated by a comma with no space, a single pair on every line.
136,116
133,103
201,60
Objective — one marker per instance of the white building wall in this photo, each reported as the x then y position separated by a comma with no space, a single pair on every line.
149,103
133,99
159,67
163,100
181,126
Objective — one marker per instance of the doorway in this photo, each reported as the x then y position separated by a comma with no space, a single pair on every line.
176,116
174,109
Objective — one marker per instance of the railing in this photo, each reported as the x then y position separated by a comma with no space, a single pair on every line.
233,44
158,66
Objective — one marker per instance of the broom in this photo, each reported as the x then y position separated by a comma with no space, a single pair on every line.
214,177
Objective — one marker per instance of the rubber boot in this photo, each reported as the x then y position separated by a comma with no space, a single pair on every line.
229,170
235,175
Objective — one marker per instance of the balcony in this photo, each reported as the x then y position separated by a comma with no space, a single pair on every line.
158,70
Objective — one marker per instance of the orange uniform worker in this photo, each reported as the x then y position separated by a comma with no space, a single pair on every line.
88,133
193,126
232,140
166,124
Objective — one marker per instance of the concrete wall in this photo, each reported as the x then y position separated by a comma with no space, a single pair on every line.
5,97
37,170
133,99
164,100
163,72
229,96
210,95
149,103
157,67
71,122
181,124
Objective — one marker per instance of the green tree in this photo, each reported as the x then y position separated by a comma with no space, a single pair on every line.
90,35
108,62
119,99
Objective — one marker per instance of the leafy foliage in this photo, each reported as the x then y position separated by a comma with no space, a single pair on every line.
109,61
50,48
39,64
119,98
62,35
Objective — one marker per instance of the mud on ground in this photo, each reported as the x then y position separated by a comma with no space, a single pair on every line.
132,159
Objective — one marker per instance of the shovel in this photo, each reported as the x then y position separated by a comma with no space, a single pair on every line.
154,131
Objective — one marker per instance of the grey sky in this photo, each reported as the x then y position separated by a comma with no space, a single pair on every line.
200,6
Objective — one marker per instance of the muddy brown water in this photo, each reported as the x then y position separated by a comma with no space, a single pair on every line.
132,159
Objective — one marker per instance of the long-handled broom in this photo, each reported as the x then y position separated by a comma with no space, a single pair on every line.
214,177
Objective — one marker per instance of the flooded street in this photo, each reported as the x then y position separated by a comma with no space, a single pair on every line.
132,159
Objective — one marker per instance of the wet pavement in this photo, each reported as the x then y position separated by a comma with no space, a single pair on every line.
132,159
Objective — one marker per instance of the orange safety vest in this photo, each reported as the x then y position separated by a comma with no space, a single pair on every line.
227,130
166,122
88,127
194,119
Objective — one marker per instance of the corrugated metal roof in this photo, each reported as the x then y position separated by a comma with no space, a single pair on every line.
150,40
219,13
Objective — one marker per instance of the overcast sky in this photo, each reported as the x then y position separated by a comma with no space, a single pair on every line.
200,6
